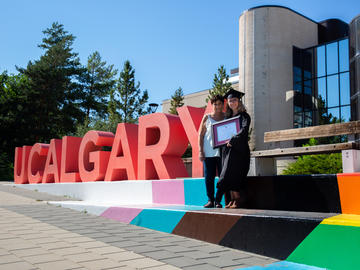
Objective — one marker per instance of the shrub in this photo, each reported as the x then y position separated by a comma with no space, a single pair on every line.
315,164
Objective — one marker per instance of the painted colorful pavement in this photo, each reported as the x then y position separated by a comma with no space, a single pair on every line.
310,222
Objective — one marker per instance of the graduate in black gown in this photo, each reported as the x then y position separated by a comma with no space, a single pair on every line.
235,155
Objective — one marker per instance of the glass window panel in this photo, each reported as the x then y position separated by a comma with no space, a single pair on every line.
357,35
297,87
298,102
333,91
332,58
321,88
308,103
344,55
297,74
308,83
298,120
307,90
297,109
308,120
345,114
320,63
322,116
307,60
344,89
354,107
307,75
334,112
308,87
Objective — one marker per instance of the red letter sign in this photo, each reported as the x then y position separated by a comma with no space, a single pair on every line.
21,164
162,142
52,165
123,159
70,159
191,119
37,158
92,161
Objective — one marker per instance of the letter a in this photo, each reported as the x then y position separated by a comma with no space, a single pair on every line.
52,164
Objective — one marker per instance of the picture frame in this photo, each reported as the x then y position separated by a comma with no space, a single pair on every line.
222,131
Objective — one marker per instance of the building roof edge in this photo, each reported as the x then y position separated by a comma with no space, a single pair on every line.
278,6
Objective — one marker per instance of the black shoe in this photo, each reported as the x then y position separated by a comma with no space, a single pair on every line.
209,204
218,205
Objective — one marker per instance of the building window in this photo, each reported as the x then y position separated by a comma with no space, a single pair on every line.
321,84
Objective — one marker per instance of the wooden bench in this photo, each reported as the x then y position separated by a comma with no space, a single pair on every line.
348,128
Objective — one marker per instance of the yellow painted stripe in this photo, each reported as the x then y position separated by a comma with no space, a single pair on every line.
343,220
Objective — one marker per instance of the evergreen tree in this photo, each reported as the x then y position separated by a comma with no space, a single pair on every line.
114,116
176,100
54,92
15,120
221,84
131,103
98,79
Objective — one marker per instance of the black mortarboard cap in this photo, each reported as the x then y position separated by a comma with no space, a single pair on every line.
233,93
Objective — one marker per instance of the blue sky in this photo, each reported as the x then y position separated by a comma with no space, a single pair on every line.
170,43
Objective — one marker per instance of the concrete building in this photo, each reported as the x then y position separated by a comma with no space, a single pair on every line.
294,71
198,99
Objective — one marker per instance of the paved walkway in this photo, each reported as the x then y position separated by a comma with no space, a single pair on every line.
36,235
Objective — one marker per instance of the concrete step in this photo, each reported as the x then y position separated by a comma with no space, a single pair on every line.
265,232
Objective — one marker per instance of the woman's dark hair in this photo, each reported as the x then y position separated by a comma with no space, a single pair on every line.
216,98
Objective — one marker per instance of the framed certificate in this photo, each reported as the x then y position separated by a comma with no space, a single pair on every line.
222,131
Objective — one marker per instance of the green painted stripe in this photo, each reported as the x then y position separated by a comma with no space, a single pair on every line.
330,246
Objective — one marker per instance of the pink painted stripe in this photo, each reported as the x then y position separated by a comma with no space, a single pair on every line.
168,191
122,214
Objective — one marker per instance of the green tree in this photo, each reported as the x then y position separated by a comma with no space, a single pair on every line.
176,100
54,93
114,116
315,164
15,121
131,101
221,84
97,80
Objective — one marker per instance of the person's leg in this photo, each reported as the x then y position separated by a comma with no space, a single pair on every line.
218,197
229,199
209,173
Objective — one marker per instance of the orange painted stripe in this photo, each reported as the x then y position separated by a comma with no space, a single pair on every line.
349,189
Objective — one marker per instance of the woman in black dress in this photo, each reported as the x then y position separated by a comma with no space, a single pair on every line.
235,155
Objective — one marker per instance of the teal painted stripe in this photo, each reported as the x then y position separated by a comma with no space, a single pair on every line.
158,219
195,191
284,265
179,207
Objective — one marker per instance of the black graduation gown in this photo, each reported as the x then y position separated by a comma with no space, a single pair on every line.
236,159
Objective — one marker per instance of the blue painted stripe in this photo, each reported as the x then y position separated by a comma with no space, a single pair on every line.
195,191
158,219
284,265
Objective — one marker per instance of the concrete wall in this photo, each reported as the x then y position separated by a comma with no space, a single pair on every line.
266,39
